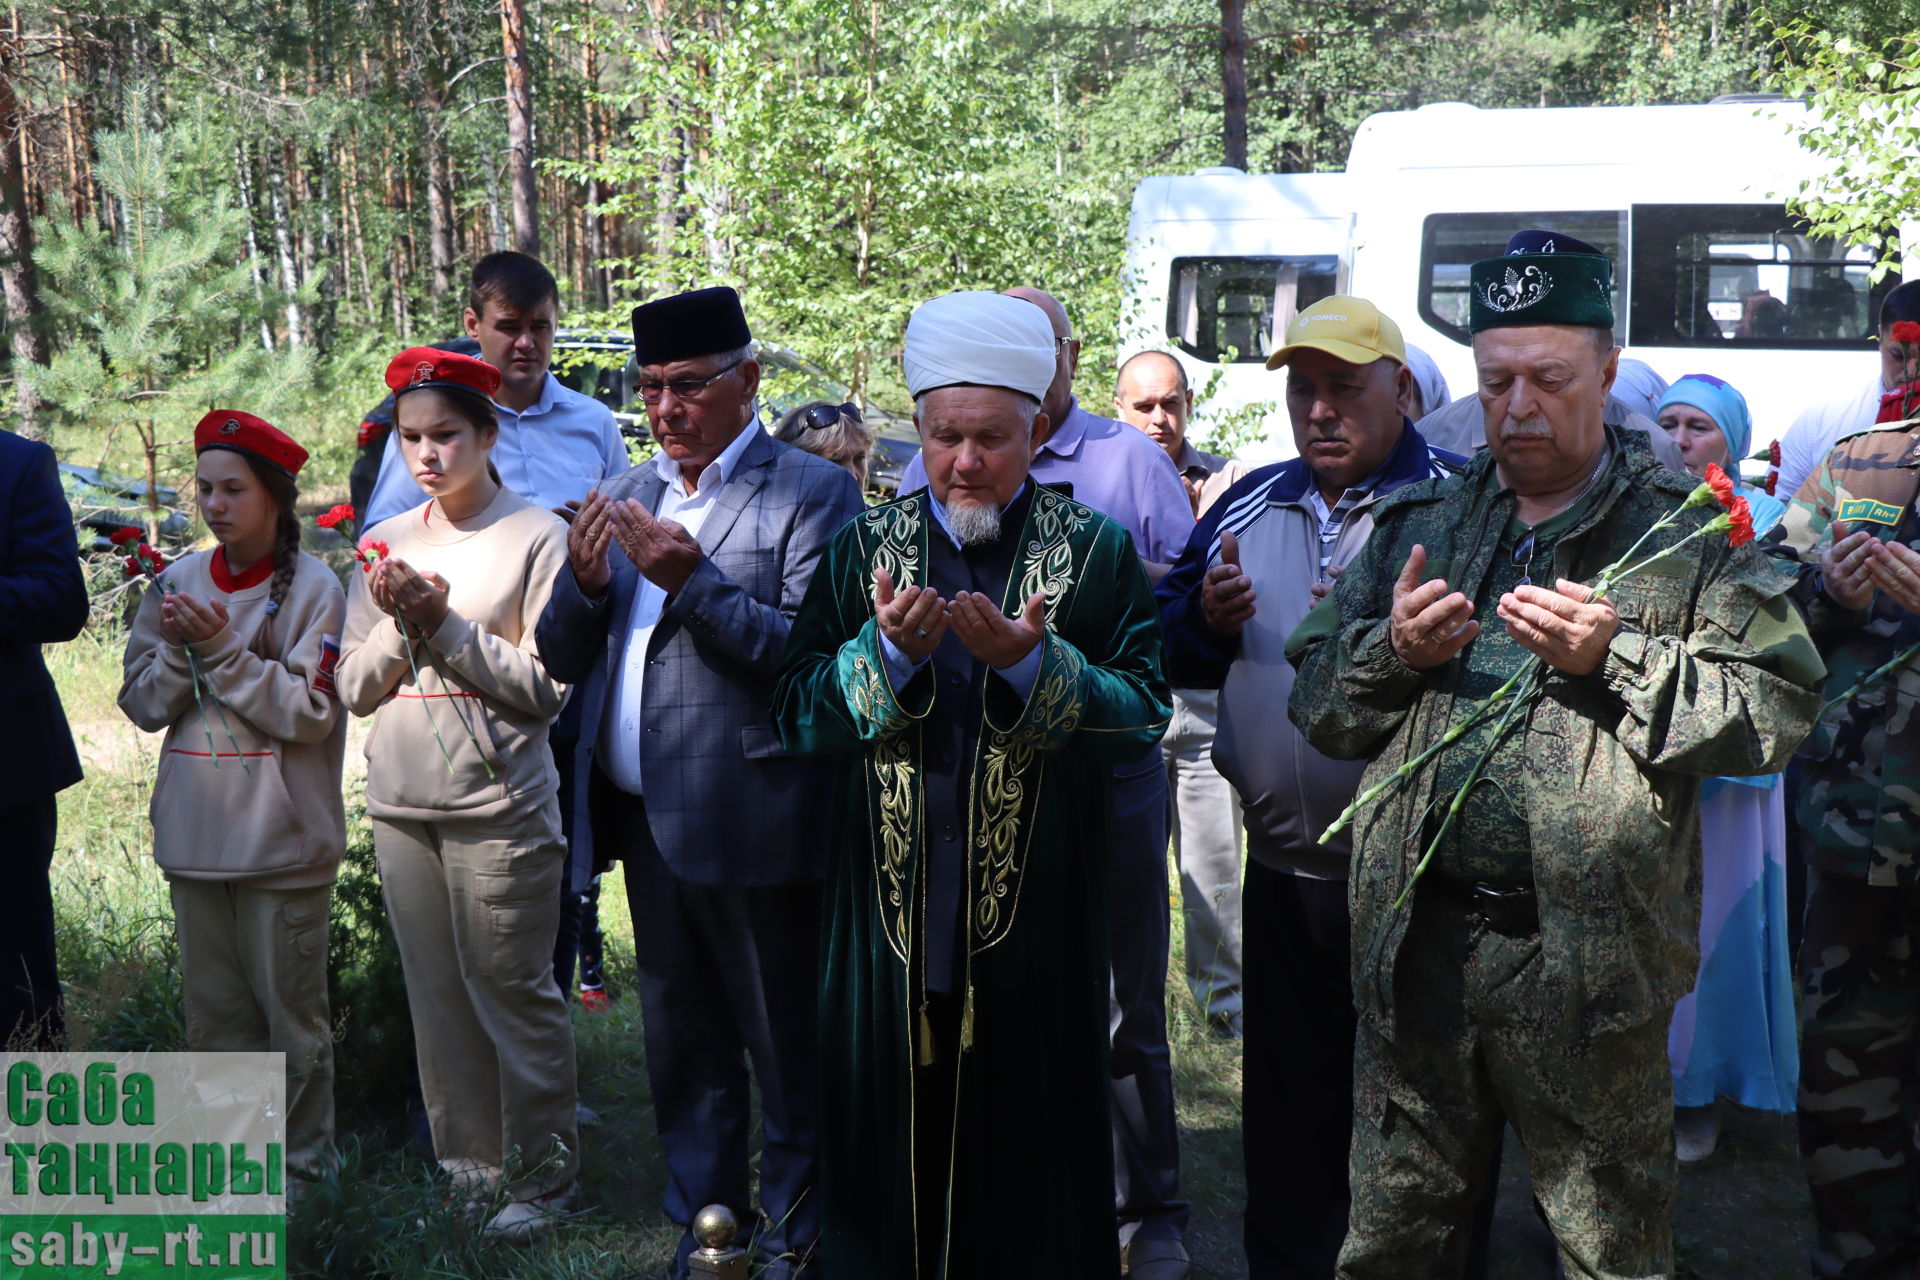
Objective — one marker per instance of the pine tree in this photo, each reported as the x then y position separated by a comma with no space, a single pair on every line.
151,315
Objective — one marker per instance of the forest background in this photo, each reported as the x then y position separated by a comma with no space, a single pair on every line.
253,202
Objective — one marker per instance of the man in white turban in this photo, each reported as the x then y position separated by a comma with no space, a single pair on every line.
976,656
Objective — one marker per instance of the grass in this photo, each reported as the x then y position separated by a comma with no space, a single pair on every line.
1742,1214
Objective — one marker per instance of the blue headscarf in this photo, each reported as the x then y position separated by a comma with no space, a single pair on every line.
1721,402
1728,409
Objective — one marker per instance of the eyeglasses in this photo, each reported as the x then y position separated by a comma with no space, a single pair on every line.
682,388
1523,557
825,417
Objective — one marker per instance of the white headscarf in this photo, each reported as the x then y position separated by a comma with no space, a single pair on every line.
985,339
1428,381
1638,386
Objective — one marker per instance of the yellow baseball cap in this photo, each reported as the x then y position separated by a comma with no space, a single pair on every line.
1346,328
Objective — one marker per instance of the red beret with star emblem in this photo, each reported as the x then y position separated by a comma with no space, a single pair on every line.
430,367
244,433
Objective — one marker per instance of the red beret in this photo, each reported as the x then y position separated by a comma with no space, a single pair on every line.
231,429
431,367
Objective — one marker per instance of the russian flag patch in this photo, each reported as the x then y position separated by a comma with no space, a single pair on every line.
329,658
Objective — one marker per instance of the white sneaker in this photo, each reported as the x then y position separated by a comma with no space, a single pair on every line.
1696,1132
525,1221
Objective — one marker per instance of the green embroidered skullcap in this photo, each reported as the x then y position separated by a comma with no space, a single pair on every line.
1543,278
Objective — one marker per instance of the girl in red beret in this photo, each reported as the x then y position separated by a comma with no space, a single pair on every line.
247,820
463,795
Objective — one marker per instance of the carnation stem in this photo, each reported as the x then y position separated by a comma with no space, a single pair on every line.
1879,673
434,661
1460,797
1610,577
193,674
426,701
1407,770
193,666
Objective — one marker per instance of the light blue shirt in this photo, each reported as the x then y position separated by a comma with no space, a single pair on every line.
1118,471
550,453
900,668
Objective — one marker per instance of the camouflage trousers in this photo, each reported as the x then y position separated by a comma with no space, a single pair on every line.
1859,1068
1474,1047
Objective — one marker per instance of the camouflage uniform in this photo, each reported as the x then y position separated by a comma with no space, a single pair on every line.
1860,808
1561,1029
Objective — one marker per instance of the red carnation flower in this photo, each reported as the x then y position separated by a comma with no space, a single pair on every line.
121,537
1721,484
332,518
369,551
1742,517
1906,331
133,566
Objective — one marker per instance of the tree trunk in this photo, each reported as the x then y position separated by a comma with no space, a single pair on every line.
496,220
18,281
243,179
1233,81
439,204
593,275
513,36
356,234
283,248
666,220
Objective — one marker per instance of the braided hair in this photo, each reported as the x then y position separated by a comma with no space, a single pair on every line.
286,540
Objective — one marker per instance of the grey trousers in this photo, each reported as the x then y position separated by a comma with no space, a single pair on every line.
1206,837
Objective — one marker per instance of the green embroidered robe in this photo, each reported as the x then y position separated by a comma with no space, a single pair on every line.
1028,1112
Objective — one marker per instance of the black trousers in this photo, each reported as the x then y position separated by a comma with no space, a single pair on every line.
30,1016
728,974
1297,1116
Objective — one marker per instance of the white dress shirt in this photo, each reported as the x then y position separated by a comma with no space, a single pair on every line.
619,748
900,668
1818,428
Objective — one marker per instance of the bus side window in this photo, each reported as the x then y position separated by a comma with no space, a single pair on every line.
1450,243
1747,275
1240,304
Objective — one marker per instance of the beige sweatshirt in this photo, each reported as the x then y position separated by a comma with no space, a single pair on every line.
278,822
480,669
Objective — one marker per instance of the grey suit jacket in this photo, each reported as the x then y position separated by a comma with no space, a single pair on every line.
724,802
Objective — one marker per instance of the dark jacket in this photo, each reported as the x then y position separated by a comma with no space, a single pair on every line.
1288,791
725,804
43,600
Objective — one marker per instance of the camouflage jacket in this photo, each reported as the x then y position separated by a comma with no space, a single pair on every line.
1712,673
1861,795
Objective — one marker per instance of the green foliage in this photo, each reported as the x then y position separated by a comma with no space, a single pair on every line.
144,312
1863,117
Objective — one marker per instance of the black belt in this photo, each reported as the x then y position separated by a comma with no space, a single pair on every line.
1511,913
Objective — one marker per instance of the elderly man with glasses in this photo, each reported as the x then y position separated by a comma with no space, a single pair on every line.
675,641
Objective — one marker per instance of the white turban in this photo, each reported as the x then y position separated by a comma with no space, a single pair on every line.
985,339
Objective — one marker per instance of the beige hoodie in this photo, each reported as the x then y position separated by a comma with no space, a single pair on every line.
480,669
278,822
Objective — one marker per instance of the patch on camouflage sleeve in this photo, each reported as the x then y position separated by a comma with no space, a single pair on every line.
1856,509
329,658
